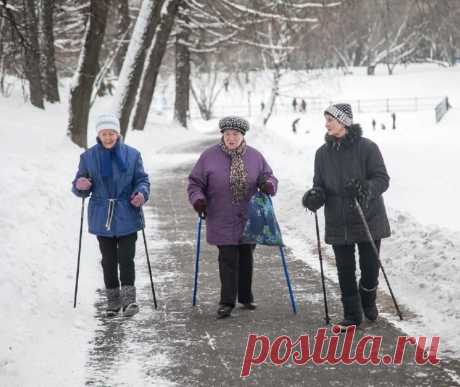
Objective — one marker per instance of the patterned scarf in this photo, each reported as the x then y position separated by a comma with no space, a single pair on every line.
238,174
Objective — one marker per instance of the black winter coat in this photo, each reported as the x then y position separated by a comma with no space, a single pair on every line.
354,157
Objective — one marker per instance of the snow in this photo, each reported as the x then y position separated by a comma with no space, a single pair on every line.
39,237
134,52
44,338
421,257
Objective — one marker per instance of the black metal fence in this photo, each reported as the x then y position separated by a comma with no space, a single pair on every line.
442,108
284,105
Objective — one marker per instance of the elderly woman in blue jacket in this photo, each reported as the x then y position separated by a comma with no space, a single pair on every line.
113,174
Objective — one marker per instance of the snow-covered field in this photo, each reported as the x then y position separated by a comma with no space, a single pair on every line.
43,338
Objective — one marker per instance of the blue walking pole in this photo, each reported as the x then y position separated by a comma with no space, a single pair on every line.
291,295
197,258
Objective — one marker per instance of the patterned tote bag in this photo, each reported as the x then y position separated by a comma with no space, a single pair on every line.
261,227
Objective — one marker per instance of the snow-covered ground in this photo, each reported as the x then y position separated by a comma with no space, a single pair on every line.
43,338
422,157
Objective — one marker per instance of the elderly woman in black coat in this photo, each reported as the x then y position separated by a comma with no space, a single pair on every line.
349,166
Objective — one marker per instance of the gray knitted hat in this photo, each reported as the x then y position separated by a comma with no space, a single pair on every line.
341,112
235,123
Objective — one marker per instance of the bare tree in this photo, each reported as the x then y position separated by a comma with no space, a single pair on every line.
122,27
182,57
2,51
276,25
50,80
205,86
80,93
32,55
13,44
440,36
70,22
152,68
130,76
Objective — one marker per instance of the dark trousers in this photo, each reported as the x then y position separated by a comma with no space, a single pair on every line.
346,267
118,251
235,269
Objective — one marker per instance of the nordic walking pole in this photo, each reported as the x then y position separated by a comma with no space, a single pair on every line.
376,252
79,252
148,259
197,258
326,318
291,295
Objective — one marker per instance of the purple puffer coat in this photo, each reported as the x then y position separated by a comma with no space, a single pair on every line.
210,178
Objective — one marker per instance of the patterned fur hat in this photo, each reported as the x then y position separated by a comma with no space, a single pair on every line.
235,123
341,112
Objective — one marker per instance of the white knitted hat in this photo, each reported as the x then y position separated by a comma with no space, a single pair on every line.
107,121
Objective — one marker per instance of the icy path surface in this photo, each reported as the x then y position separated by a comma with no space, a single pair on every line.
181,345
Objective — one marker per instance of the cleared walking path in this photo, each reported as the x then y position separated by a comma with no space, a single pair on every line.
186,346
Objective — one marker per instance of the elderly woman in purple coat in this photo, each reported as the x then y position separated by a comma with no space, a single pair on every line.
220,186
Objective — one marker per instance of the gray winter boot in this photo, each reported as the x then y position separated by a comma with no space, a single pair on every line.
368,297
352,312
128,300
113,302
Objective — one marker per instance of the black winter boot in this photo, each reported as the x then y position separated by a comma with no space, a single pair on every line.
352,312
368,297
224,311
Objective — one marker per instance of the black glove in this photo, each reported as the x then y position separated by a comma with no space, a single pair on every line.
200,207
314,199
358,189
267,188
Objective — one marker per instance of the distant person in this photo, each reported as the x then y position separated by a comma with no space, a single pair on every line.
349,167
109,86
303,106
220,186
393,118
113,174
226,83
294,125
101,91
262,106
373,124
294,104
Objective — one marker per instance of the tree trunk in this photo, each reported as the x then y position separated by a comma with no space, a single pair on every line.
131,73
390,67
50,80
80,93
123,23
182,99
274,94
2,56
152,69
358,54
370,63
32,55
